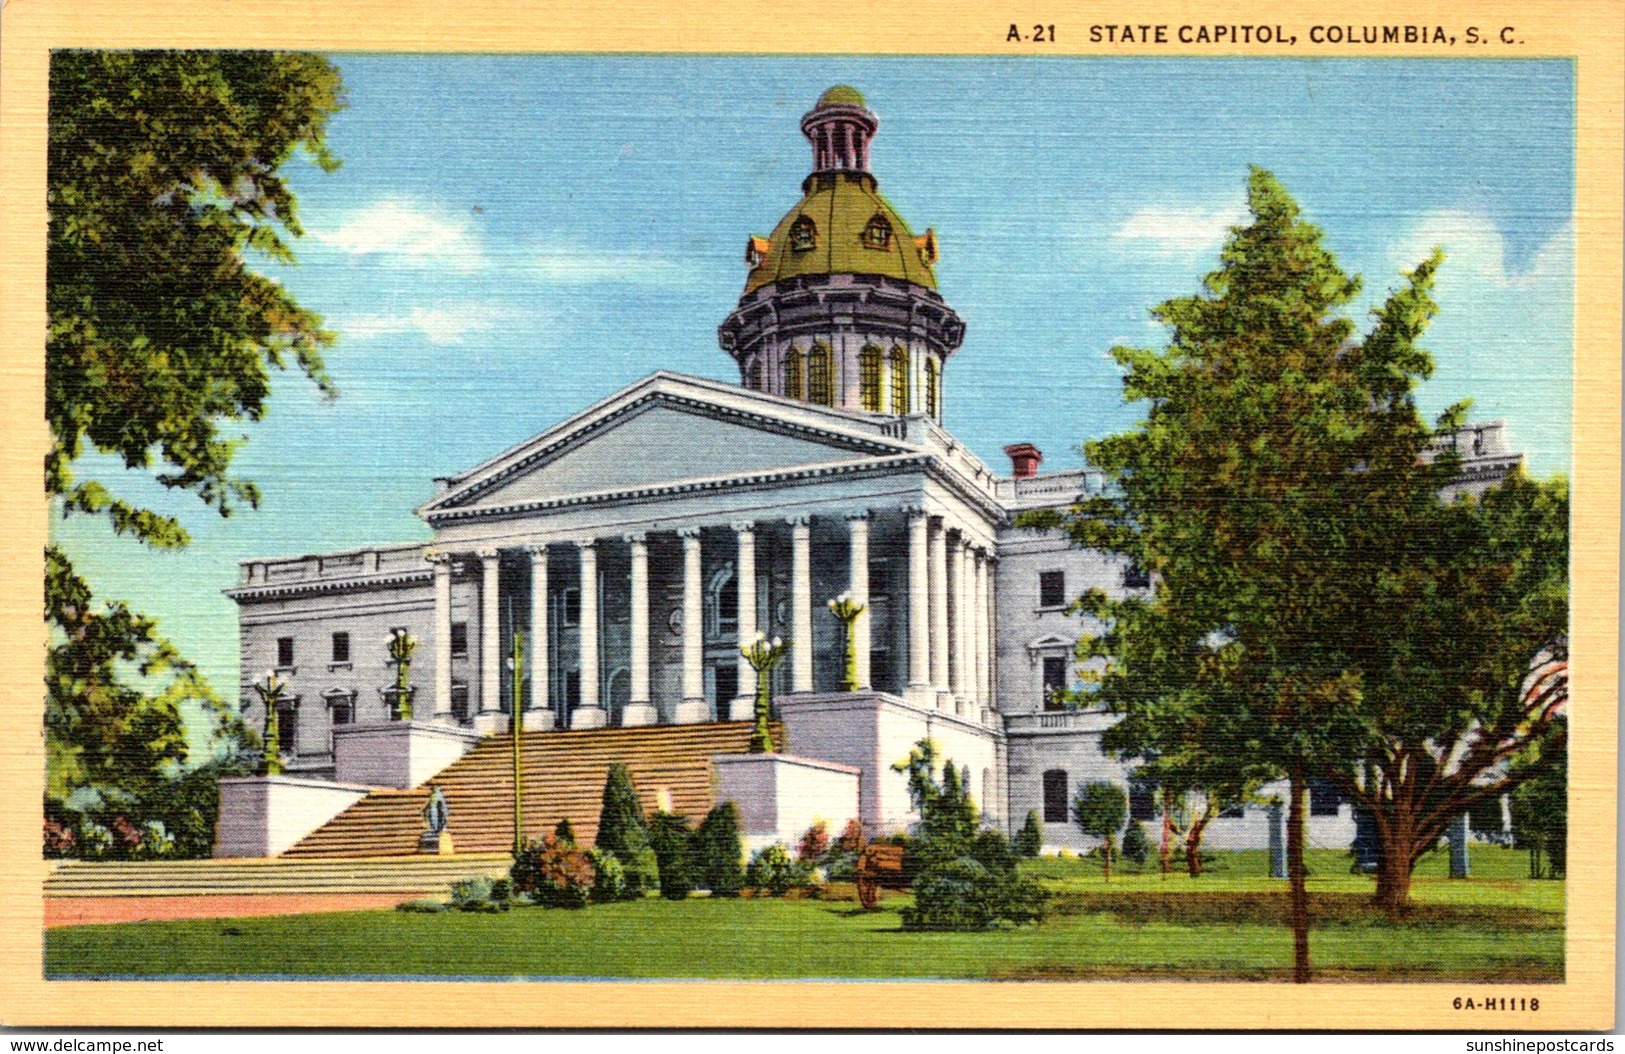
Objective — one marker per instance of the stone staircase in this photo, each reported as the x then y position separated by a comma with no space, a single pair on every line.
564,776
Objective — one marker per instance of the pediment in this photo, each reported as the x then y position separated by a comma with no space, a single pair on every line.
655,438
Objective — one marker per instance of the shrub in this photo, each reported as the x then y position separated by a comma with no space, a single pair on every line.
59,839
771,870
1030,839
155,841
609,877
814,844
474,894
564,832
553,874
852,838
963,894
1136,846
421,907
93,839
719,854
673,845
623,832
1100,809
992,850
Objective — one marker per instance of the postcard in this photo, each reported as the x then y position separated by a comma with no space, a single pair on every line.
866,518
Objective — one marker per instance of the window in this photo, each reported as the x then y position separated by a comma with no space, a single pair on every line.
753,374
572,688
877,234
572,606
287,728
728,606
933,391
1142,800
1055,796
869,377
1136,577
1323,798
803,235
1054,682
341,647
459,700
794,371
1052,589
459,639
284,651
820,375
899,379
343,710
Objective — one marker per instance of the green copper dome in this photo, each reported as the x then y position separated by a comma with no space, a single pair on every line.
842,95
842,226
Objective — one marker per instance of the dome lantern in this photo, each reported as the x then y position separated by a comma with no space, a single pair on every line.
839,127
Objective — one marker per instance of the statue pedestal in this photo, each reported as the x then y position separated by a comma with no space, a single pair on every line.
435,843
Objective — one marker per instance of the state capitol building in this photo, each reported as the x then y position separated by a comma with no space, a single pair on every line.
635,545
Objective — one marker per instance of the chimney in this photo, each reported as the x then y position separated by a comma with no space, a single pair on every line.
1024,459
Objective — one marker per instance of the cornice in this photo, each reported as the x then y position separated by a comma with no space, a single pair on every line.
318,586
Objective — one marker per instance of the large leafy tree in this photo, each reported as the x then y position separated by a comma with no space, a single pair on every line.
1462,656
164,186
1276,454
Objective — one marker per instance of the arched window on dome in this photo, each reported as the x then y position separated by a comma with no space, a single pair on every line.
933,389
795,385
753,374
821,374
899,379
869,377
803,235
877,233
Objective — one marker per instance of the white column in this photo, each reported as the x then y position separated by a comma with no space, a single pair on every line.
639,710
743,706
919,622
489,716
442,637
857,584
590,712
538,715
801,624
939,613
980,625
958,630
692,710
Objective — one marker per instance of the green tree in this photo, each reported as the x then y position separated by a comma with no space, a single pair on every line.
673,845
1278,457
1030,839
621,826
1099,811
163,185
720,852
1540,806
1452,710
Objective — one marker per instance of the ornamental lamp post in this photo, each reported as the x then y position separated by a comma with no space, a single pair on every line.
846,608
270,693
763,655
401,646
516,725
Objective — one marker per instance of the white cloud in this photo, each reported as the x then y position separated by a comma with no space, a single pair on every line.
1474,245
577,267
1180,230
438,325
410,233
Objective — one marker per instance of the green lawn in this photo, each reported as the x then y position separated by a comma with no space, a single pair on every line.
1230,924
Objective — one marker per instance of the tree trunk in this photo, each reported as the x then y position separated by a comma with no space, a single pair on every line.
1167,847
1193,844
1106,856
1296,877
1395,837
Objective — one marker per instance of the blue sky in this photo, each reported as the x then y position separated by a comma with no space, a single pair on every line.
511,238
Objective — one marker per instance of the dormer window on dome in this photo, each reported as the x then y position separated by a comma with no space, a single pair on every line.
803,235
877,233
927,244
756,250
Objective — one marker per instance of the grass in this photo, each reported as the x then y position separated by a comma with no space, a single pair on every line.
1230,924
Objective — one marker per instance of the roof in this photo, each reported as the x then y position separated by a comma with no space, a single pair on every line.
841,95
840,206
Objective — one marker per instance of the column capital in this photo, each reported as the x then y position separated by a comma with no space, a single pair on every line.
800,520
635,538
586,544
439,557
537,551
859,514
686,533
914,512
744,526
488,554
